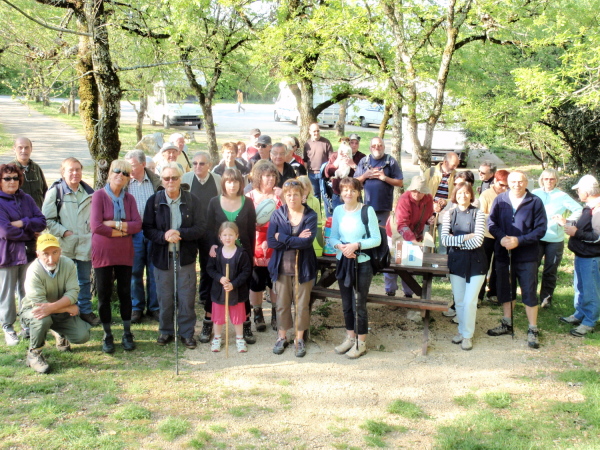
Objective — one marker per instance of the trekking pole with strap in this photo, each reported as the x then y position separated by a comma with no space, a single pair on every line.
297,288
227,314
510,287
356,298
175,310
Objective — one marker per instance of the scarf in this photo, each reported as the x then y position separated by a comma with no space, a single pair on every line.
118,204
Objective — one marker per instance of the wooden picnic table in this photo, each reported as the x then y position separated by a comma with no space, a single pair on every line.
434,265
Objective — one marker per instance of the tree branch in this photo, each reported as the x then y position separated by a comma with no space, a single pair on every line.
39,22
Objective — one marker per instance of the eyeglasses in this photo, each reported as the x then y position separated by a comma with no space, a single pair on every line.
118,171
196,163
170,178
10,179
261,146
292,183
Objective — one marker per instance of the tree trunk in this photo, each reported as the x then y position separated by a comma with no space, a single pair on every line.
396,150
141,113
72,100
385,119
340,126
304,99
211,136
109,88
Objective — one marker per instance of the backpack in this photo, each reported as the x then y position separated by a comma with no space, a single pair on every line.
60,193
380,255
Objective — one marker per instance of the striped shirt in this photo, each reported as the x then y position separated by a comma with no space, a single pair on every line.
141,191
442,190
459,241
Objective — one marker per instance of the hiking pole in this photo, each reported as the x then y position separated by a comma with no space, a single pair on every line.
510,287
227,314
356,298
296,302
176,307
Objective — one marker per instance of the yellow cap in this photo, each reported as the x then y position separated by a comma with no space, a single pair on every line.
46,240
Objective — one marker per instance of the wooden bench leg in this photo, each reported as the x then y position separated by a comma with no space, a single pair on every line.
425,333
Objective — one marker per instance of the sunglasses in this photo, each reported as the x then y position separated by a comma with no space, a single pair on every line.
261,146
196,163
292,183
170,178
10,178
118,171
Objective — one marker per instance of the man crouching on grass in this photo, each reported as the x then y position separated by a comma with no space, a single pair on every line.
51,289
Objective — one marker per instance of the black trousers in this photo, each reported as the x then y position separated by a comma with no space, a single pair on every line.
105,277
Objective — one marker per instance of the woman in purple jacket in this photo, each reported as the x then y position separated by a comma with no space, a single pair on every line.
114,220
20,220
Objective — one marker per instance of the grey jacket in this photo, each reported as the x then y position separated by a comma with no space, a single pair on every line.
74,217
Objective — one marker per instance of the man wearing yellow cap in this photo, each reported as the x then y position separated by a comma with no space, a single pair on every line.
50,302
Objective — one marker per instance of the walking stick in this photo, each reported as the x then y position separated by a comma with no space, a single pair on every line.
227,314
356,298
296,302
176,307
510,287
433,233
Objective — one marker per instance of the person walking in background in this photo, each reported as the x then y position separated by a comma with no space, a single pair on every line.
556,204
67,208
349,238
462,232
584,241
114,219
518,222
240,100
20,220
233,284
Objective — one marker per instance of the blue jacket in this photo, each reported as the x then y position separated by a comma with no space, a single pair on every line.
528,223
307,260
19,206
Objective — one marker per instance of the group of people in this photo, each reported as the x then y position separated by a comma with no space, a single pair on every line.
255,222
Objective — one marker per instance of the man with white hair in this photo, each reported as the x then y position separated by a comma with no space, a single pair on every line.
50,303
143,184
518,222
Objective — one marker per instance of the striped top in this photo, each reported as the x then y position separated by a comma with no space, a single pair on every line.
449,240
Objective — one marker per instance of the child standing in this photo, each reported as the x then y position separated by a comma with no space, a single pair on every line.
240,269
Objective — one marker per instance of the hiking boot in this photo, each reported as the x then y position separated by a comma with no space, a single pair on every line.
345,346
467,344
274,319
90,318
248,336
108,344
457,339
300,348
164,339
503,328
62,343
36,361
532,338
354,352
547,302
136,316
127,342
581,331
390,293
11,338
155,315
450,313
455,320
571,320
240,344
280,346
216,344
259,320
189,342
207,329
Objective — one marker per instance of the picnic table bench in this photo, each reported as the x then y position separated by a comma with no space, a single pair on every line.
434,265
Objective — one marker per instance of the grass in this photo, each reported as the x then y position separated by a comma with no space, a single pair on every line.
173,427
6,141
406,409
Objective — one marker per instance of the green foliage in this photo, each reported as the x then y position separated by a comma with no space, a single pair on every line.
377,428
406,409
133,412
173,427
498,399
466,400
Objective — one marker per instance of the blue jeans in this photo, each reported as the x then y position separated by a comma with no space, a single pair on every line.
84,299
587,290
141,261
315,179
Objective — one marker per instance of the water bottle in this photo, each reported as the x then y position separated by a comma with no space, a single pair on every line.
328,250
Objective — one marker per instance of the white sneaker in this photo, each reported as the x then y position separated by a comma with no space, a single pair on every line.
450,313
216,344
467,344
11,338
354,353
345,346
457,339
240,343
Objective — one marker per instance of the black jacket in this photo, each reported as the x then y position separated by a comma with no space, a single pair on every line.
240,269
586,241
157,221
246,222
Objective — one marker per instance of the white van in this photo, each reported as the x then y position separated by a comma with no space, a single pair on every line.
366,113
174,106
444,141
286,108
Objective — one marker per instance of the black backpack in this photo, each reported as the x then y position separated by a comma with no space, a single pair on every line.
60,193
380,255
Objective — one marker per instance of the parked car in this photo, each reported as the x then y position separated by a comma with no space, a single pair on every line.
286,106
173,106
366,113
444,141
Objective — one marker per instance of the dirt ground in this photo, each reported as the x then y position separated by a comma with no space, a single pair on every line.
328,392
